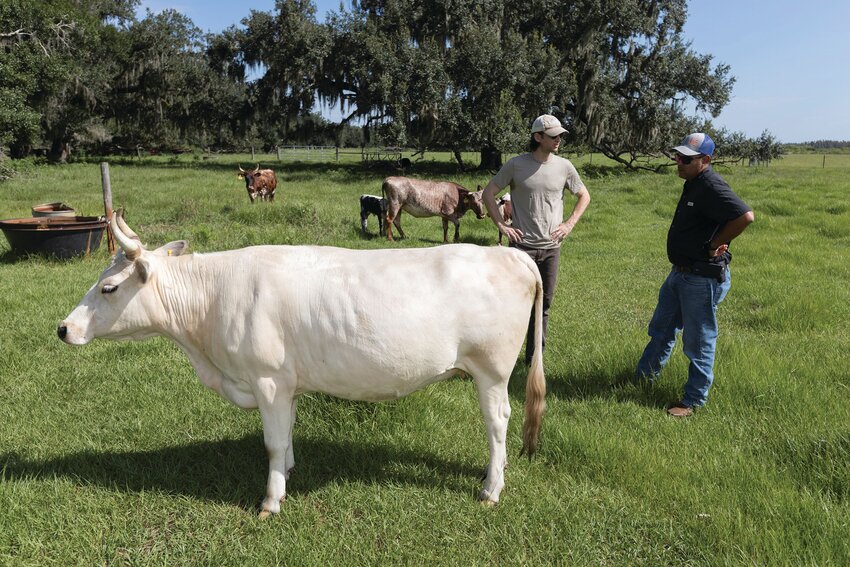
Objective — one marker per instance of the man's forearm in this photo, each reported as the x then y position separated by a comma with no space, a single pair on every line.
732,229
489,197
582,201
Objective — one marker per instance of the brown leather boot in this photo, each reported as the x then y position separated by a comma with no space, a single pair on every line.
680,410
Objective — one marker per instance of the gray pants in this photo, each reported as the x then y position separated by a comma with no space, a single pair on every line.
547,261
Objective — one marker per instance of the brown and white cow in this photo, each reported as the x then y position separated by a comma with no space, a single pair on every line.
259,183
265,324
424,198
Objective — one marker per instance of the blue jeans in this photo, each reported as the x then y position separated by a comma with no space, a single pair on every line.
686,303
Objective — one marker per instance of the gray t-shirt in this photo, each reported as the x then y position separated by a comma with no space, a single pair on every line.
537,195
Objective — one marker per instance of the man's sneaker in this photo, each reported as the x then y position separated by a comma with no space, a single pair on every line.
680,410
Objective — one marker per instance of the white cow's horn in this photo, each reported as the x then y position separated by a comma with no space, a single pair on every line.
126,229
132,249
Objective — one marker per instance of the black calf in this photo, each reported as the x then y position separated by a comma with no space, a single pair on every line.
374,205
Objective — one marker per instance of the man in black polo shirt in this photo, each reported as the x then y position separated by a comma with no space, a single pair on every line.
709,215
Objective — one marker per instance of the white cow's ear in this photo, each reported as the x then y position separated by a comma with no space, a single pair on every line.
175,248
144,267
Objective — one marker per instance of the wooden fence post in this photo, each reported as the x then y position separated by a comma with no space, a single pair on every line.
823,165
252,153
107,203
278,153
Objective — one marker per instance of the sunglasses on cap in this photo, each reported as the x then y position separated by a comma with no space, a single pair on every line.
685,160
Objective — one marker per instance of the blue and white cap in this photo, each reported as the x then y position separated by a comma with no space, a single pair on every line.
695,144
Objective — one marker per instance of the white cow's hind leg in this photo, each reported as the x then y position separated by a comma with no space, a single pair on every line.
496,410
290,454
276,411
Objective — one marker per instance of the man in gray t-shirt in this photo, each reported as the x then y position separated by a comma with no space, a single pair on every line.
537,181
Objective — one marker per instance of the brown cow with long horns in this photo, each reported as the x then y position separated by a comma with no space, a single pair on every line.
259,183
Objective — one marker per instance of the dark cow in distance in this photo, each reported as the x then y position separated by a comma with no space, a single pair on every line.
372,205
424,198
259,183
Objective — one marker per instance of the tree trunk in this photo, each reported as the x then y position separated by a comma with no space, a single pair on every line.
19,150
59,152
459,159
491,158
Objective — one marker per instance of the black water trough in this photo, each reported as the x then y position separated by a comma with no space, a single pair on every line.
62,237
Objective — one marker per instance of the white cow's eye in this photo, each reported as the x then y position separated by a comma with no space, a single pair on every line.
108,288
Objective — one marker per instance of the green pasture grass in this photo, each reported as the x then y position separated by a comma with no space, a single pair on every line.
113,453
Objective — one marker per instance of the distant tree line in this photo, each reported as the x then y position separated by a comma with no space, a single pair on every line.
427,74
825,144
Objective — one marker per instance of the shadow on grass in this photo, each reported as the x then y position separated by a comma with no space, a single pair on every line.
619,385
296,170
469,239
234,471
10,257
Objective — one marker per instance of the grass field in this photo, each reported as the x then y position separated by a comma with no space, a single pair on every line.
113,453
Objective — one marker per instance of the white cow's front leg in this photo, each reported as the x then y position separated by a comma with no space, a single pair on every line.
496,410
276,411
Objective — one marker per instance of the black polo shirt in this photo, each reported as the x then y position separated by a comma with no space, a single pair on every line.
706,204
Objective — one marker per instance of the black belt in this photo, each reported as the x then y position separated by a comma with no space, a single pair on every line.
704,269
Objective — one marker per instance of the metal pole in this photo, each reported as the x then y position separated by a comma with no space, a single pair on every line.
107,203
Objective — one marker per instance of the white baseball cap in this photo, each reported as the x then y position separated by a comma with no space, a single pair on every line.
548,124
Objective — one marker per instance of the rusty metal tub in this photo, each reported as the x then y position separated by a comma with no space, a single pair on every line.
62,237
57,209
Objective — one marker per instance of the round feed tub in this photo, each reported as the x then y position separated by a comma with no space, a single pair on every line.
53,210
62,237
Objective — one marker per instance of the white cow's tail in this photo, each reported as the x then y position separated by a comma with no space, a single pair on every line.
535,386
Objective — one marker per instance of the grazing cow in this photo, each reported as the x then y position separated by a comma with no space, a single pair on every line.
374,205
506,209
264,324
423,198
259,183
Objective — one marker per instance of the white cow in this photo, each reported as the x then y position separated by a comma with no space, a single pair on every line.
264,324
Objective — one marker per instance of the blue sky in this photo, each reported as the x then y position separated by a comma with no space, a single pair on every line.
791,58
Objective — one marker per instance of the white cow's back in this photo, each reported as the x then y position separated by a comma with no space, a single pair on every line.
371,324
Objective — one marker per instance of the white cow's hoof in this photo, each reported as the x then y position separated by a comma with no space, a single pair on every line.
485,499
269,507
